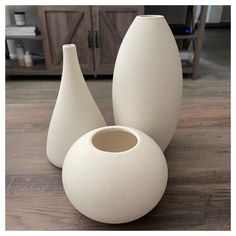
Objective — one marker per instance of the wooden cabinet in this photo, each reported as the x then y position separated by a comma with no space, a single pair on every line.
63,25
110,24
97,32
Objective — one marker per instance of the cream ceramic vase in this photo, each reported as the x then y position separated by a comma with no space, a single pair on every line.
147,81
114,174
75,112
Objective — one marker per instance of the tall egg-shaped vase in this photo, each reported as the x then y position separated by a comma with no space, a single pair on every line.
75,112
147,80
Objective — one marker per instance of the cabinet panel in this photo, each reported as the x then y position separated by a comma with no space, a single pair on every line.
110,25
63,25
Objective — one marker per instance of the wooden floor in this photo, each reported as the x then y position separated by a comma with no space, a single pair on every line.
198,191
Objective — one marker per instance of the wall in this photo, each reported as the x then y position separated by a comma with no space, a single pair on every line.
226,14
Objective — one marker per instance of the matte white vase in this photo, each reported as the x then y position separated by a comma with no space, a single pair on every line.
147,82
75,112
114,174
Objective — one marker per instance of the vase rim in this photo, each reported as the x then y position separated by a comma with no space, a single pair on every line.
112,129
70,45
150,16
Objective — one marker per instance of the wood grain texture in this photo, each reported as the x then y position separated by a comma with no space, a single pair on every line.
198,191
63,25
96,30
110,24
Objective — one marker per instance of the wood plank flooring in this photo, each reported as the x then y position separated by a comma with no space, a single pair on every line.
198,191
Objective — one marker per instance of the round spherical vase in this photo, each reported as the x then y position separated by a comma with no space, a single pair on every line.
114,174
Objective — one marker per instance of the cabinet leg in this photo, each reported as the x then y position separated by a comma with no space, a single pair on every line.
194,75
199,42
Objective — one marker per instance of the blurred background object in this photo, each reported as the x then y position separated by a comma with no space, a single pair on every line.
98,32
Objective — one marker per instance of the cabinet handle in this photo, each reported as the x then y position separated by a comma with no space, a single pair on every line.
96,39
90,39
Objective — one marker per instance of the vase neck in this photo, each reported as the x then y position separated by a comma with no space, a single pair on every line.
72,78
70,58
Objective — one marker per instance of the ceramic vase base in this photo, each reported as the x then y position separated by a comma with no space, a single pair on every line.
114,174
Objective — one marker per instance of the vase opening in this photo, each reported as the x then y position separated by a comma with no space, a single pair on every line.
71,45
114,140
150,16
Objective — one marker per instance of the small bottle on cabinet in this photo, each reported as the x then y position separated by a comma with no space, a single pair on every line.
28,59
20,18
20,55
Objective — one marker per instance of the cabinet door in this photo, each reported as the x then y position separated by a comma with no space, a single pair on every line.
64,25
110,25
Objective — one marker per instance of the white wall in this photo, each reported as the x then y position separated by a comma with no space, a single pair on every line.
214,14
